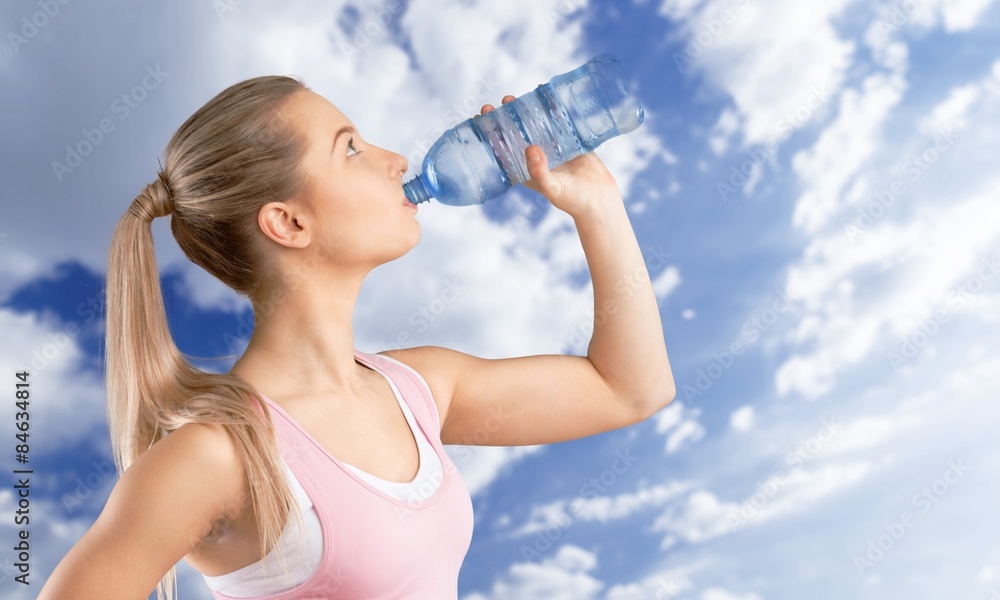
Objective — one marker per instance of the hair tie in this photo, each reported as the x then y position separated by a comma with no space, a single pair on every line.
155,200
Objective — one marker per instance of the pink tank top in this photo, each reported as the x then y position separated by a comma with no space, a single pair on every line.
376,546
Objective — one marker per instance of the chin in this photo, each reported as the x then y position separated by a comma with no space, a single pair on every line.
412,239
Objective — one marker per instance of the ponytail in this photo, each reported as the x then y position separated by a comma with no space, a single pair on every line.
211,187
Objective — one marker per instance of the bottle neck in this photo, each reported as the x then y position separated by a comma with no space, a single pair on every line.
417,190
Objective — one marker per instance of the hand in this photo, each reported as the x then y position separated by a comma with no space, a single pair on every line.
577,186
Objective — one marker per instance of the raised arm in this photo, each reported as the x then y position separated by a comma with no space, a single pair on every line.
627,347
624,378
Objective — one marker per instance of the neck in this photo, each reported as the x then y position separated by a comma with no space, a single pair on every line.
303,343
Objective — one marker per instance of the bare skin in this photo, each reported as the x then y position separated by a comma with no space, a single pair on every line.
301,356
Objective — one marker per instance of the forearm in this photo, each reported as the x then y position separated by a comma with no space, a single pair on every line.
627,347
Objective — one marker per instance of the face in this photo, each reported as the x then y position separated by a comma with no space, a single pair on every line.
353,206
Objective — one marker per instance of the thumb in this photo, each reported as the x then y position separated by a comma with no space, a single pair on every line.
538,169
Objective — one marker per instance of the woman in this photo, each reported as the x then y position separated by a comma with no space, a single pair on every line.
273,191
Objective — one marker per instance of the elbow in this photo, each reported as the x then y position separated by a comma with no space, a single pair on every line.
656,400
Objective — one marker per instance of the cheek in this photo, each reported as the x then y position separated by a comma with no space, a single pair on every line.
361,224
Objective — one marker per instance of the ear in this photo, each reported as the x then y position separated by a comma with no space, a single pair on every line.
285,223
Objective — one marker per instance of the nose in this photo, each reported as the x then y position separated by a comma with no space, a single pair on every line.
399,164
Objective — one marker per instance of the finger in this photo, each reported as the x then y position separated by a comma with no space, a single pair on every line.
507,98
485,109
538,168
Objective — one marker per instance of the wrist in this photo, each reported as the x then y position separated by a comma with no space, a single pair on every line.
607,207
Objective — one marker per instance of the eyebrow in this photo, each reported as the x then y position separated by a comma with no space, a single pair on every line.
342,130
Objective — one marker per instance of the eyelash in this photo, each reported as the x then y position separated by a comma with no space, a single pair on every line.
350,145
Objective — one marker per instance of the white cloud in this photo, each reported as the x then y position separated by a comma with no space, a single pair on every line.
679,424
770,67
563,576
933,258
869,432
952,112
608,508
742,419
716,593
954,15
843,148
666,282
724,128
205,291
704,517
513,270
669,417
19,264
561,514
481,465
663,583
628,155
987,573
894,264
687,431
679,9
69,399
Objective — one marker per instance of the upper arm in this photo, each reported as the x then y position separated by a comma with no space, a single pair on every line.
519,401
163,505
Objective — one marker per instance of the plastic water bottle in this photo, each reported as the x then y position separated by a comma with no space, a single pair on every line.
572,114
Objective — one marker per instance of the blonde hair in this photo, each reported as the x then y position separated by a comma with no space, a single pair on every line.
233,155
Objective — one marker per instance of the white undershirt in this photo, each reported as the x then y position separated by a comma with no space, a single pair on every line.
303,559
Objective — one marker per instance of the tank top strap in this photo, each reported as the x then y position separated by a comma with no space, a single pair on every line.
414,389
391,549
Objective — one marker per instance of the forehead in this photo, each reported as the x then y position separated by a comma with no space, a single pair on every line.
314,114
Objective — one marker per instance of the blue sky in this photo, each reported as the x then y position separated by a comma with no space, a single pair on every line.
814,190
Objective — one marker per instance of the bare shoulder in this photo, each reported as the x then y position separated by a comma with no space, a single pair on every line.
438,366
202,457
162,507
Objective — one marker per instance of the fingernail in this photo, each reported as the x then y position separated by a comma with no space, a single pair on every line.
534,156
